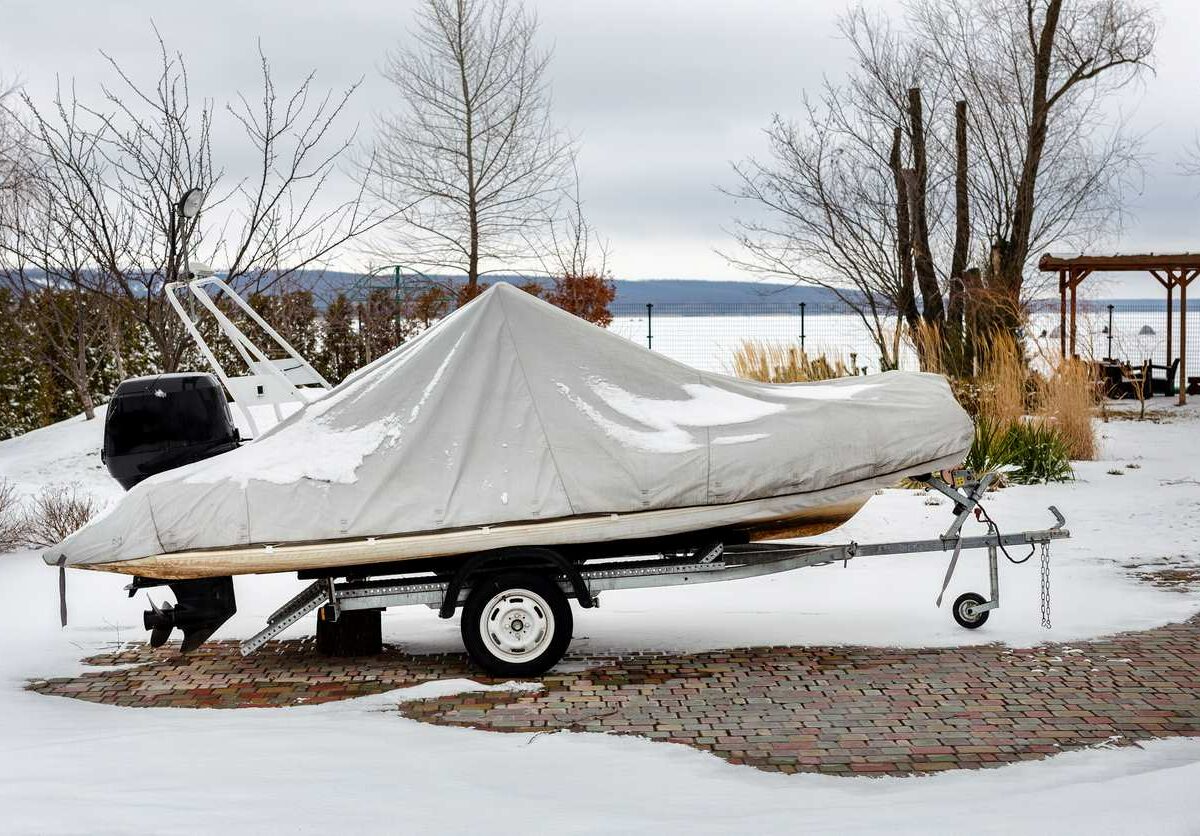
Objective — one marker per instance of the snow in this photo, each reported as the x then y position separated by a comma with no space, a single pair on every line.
433,381
70,766
831,391
739,439
705,406
272,458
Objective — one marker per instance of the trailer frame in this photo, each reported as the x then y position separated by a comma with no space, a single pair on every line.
707,561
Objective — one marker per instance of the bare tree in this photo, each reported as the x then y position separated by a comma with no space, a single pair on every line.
13,162
571,246
1050,168
122,165
1028,160
49,269
472,164
824,212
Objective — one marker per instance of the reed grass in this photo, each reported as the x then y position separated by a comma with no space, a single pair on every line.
1069,400
773,362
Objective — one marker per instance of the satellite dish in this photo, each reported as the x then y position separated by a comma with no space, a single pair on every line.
199,270
189,204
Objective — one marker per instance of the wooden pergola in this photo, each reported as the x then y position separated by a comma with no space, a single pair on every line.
1171,271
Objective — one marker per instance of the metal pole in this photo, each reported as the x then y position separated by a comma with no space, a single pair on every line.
396,298
1062,313
1110,333
803,305
650,325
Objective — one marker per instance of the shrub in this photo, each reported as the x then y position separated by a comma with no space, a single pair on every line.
1009,387
588,296
58,511
13,525
1025,451
770,362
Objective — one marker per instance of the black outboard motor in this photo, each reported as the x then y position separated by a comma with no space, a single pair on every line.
154,424
164,421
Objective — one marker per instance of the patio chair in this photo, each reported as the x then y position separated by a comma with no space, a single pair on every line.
1122,382
1164,385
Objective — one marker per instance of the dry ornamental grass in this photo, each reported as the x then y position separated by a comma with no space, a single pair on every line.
771,362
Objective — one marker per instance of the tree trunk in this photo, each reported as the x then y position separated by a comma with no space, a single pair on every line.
933,311
973,297
955,307
114,342
79,374
1008,278
906,298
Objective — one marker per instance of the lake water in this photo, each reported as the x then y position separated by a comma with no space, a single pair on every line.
709,342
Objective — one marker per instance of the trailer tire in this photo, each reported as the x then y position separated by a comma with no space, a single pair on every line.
961,603
516,624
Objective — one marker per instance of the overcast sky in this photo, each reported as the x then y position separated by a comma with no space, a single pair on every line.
661,94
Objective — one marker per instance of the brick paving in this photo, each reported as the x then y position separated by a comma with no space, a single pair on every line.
837,710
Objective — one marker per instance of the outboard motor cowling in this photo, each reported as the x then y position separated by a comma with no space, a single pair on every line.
164,421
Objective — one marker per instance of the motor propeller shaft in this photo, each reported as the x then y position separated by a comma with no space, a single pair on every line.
201,606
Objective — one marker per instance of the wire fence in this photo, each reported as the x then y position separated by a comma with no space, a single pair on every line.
1129,332
706,335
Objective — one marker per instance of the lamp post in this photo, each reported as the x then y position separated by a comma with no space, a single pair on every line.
1110,333
188,208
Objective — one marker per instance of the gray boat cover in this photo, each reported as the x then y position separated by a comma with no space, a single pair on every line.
513,410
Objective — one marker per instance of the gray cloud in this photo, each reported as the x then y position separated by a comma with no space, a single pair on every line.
662,95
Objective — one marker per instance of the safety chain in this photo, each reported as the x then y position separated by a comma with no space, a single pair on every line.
1046,584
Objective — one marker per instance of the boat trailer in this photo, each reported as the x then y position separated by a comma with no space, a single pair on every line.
505,619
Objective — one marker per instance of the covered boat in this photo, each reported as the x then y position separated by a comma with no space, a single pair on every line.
514,423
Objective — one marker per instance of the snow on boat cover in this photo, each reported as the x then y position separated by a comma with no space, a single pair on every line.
515,416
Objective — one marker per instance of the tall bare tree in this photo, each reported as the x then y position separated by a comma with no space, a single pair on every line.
120,165
867,196
1050,166
472,163
13,162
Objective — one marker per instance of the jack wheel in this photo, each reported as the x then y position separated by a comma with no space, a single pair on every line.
516,624
968,601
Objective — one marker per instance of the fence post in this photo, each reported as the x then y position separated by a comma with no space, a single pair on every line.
802,307
650,325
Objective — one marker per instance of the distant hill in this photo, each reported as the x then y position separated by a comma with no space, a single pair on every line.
630,292
719,292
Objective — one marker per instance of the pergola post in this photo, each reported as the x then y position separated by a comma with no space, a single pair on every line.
1184,280
1170,319
1074,285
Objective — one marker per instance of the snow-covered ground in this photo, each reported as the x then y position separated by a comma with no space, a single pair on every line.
68,766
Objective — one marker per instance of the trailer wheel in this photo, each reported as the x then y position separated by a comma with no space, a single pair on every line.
516,624
965,602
